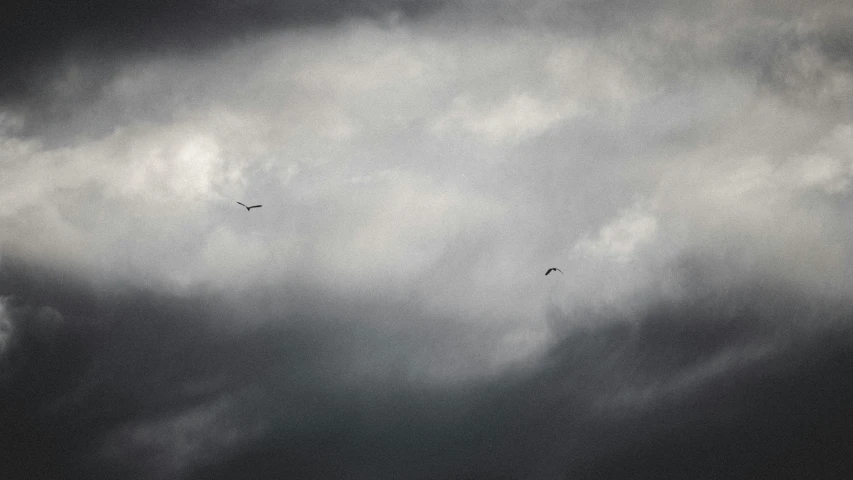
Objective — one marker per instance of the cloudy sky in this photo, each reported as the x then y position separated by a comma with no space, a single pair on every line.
688,165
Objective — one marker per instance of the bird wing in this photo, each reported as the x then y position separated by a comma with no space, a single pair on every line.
548,271
241,203
557,269
255,206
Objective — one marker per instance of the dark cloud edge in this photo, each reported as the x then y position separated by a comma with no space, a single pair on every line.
43,39
787,413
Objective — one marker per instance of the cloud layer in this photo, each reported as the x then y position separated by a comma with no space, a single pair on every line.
385,314
750,382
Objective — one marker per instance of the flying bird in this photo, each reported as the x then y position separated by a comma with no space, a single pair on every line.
552,269
248,208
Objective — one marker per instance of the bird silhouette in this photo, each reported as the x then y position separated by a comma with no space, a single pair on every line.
248,208
552,269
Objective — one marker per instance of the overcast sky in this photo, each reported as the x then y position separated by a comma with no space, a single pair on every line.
385,314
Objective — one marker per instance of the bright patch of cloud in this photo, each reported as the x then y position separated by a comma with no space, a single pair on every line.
519,117
620,239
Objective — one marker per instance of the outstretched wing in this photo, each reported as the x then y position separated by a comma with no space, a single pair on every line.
254,206
241,203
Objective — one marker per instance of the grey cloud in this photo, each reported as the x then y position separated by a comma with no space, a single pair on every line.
49,42
812,70
753,417
745,382
336,129
66,55
802,51
413,178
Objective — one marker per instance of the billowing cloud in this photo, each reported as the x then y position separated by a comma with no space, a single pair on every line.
622,237
385,313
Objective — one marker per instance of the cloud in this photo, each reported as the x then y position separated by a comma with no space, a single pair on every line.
478,152
5,331
622,237
49,39
519,117
154,385
385,313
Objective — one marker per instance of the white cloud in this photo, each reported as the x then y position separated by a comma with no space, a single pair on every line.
778,215
517,118
620,239
454,164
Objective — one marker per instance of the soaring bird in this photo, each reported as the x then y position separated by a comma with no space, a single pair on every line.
248,208
552,269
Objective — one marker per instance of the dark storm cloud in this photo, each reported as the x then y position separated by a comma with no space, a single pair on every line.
126,357
773,414
43,38
749,382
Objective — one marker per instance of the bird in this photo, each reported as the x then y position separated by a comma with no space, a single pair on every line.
248,208
552,269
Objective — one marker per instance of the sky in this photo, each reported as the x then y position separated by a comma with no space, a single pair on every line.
385,314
